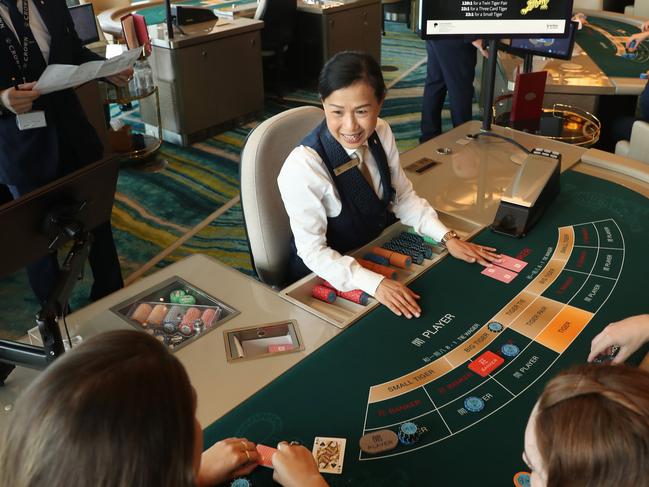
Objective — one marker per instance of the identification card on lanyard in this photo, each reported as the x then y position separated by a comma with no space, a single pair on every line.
34,119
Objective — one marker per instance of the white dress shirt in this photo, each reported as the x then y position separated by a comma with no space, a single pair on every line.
38,27
310,197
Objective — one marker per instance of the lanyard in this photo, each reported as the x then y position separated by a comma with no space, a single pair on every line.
10,38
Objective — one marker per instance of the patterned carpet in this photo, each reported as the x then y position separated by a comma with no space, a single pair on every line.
153,210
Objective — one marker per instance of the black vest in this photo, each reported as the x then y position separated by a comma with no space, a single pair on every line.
363,215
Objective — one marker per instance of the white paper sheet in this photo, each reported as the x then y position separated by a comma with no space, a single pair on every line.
58,77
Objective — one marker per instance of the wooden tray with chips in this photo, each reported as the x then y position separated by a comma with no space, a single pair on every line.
342,312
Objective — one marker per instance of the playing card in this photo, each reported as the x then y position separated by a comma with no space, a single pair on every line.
266,455
511,263
499,274
329,454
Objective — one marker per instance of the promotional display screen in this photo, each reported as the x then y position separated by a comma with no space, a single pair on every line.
547,47
495,18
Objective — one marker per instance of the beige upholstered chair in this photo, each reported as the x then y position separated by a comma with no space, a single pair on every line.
588,5
638,147
639,9
266,221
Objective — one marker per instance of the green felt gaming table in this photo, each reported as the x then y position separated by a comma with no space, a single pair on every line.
470,369
604,40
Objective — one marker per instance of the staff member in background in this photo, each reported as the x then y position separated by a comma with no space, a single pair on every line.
450,68
333,211
34,33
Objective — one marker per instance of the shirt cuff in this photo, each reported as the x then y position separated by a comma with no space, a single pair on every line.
366,280
3,104
435,229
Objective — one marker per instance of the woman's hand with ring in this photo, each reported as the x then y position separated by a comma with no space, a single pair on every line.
225,460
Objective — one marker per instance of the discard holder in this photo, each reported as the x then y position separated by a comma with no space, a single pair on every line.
533,188
188,15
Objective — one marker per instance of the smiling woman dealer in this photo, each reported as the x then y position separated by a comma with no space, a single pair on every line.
343,185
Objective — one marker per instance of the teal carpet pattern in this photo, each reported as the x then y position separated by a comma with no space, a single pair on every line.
154,210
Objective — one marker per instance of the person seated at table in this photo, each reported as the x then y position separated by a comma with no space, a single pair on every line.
622,126
634,41
581,18
119,410
335,206
590,427
629,334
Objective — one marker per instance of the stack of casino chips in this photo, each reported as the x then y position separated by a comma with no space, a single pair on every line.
323,293
395,258
412,245
356,296
378,268
408,433
327,293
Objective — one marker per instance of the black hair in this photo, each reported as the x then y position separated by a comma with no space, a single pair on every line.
348,67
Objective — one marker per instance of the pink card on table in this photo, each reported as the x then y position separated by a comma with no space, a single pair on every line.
499,274
511,263
266,455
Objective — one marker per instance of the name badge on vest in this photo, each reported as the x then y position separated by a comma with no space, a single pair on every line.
352,163
31,120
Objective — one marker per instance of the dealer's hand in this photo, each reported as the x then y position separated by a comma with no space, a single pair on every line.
20,100
645,26
122,78
629,334
397,297
471,252
295,467
225,460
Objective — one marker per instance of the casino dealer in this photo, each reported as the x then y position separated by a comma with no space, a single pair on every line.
343,185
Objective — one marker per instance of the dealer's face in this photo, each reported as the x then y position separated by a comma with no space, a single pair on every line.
351,114
532,455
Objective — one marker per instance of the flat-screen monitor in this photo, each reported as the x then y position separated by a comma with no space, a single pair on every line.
495,18
23,219
546,46
85,24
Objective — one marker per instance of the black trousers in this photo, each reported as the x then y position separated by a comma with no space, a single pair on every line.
450,68
104,262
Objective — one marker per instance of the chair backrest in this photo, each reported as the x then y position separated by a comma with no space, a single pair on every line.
279,23
639,143
641,8
588,5
266,221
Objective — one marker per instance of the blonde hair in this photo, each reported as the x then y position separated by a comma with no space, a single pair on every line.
592,427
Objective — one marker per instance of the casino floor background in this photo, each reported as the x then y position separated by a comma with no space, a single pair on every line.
204,177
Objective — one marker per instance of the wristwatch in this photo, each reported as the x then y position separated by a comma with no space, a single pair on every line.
448,236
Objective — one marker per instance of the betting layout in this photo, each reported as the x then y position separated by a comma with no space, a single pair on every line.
488,366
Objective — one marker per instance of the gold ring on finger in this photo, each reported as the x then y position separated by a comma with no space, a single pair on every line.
245,447
247,455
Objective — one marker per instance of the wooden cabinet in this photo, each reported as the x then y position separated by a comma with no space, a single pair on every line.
322,31
208,82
